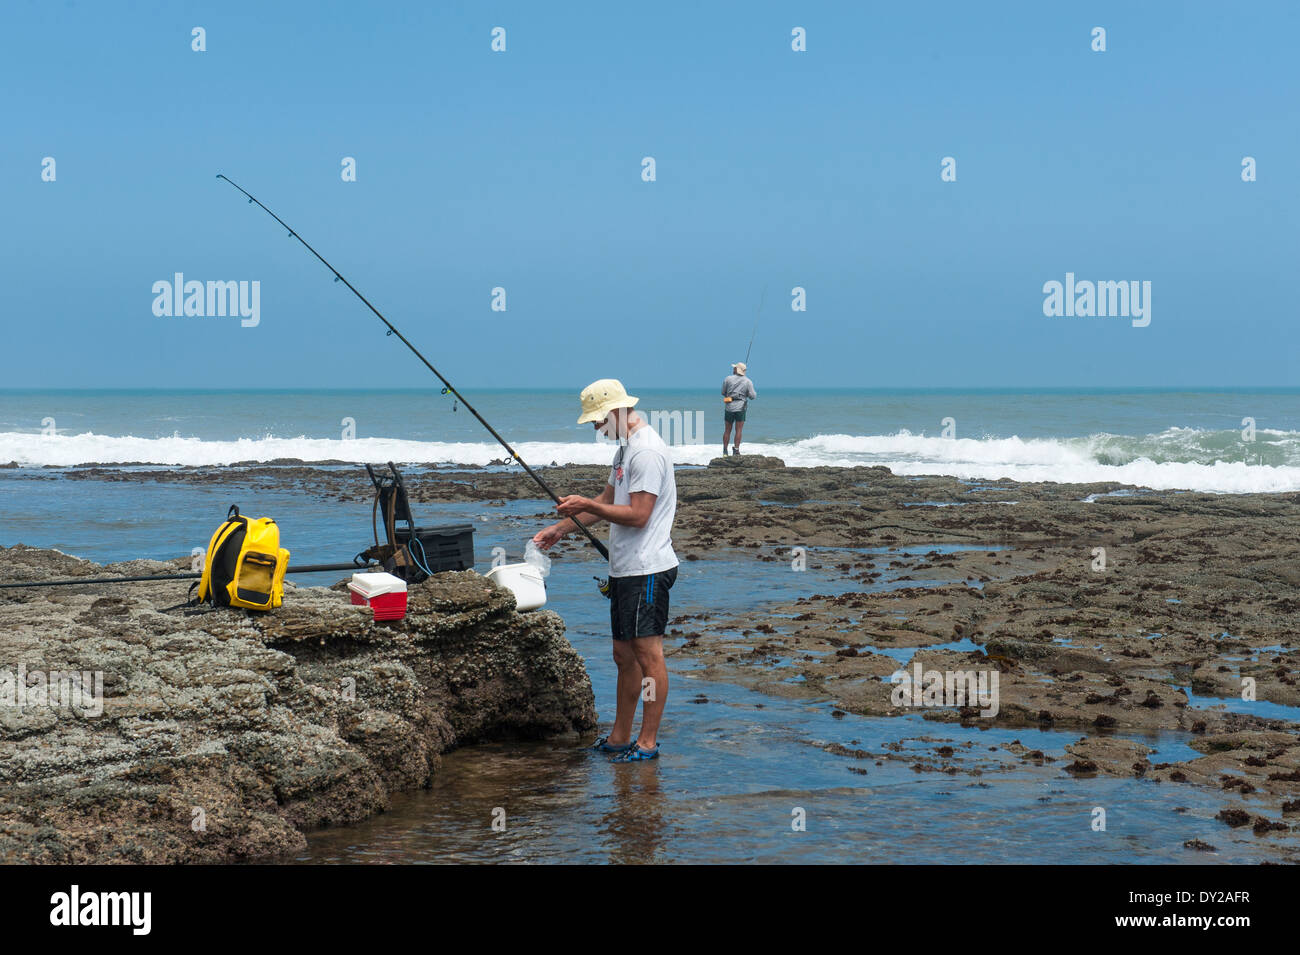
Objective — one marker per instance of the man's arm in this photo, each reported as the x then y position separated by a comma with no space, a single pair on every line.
634,514
645,470
548,536
590,515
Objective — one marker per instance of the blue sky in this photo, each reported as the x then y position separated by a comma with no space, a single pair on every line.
522,169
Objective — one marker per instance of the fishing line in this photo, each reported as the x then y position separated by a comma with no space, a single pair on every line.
757,314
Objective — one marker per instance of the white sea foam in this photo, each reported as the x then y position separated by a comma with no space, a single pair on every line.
1177,458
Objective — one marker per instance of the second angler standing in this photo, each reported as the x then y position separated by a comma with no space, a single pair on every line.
737,391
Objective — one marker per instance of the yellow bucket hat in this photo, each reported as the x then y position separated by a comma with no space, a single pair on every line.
601,397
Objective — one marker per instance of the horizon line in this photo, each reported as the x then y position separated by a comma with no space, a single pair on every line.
912,389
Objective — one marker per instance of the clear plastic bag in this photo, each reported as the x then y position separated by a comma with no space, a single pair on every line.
534,555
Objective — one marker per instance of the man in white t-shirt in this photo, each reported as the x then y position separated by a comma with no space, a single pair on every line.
639,501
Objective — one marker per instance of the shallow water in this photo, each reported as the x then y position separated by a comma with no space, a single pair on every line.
1235,704
737,765
904,654
732,776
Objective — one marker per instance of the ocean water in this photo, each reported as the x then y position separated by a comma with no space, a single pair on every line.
1225,441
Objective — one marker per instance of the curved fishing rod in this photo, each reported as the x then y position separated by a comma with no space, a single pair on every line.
392,330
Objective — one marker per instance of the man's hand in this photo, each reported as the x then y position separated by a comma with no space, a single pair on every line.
574,504
547,537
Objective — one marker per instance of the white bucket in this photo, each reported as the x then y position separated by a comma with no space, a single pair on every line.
524,581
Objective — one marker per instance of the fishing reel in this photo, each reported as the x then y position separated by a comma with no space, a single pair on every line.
602,584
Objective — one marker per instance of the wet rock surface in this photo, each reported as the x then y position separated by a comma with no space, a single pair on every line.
224,735
1120,613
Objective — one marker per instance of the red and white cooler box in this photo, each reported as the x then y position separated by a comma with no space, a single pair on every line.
382,593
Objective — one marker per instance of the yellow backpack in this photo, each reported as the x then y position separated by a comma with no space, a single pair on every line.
244,565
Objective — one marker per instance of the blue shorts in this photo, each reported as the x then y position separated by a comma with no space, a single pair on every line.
730,416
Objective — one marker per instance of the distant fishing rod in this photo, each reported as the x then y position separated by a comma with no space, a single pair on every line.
305,569
392,330
757,314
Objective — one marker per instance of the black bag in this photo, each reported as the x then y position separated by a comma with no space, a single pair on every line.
410,552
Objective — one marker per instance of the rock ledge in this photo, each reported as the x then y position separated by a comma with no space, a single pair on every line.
225,735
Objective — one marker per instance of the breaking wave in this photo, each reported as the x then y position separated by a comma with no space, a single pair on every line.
1178,458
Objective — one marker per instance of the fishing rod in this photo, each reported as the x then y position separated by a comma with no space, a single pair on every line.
305,569
448,387
757,314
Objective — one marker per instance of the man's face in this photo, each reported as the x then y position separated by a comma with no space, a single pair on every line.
611,426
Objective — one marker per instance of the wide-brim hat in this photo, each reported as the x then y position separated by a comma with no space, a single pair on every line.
601,397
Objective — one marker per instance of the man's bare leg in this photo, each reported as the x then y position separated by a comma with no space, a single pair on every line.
726,436
650,657
740,427
628,692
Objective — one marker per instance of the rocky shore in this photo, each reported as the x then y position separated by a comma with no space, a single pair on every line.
1122,614
223,735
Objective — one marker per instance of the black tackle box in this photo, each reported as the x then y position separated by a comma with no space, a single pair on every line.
439,548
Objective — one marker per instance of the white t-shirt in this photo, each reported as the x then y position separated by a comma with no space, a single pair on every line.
643,464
